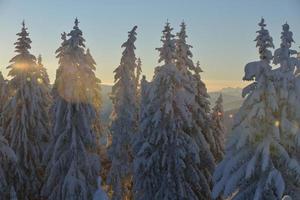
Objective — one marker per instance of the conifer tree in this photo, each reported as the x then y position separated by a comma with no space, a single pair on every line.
124,120
73,162
283,54
183,52
44,95
60,53
256,158
25,122
8,164
199,107
287,86
204,123
166,156
143,103
42,74
218,127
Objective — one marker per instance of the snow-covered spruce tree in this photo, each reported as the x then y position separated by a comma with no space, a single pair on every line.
44,98
42,73
166,156
25,122
60,53
183,52
285,73
73,163
124,121
204,124
217,116
199,108
8,170
288,89
283,54
62,61
287,64
255,158
143,103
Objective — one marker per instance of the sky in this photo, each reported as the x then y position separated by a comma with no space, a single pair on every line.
220,31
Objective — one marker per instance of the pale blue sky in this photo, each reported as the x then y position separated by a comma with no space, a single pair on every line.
221,31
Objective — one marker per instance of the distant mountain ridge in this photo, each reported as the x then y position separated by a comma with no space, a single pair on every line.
232,100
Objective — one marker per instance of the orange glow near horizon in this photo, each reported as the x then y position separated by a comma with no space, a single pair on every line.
212,85
217,85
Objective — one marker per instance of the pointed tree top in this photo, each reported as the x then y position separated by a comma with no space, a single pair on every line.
286,36
133,31
167,30
182,34
218,111
183,25
168,27
286,27
168,50
22,45
262,23
131,36
23,29
23,24
63,36
139,61
198,69
131,39
264,41
76,22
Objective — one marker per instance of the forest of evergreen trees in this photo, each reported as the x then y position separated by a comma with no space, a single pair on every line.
167,140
